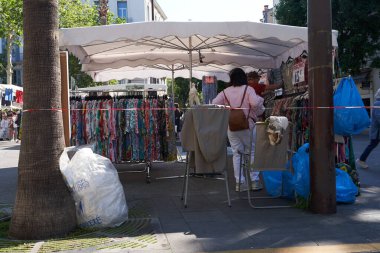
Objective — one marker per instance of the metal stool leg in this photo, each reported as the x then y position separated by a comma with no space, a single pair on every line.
227,188
186,185
184,176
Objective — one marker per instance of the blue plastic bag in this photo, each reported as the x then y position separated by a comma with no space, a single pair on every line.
346,190
288,185
349,121
272,181
279,183
301,165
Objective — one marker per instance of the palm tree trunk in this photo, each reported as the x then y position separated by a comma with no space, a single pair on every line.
43,206
103,10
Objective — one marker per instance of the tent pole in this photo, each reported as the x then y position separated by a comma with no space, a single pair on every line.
191,62
173,82
65,100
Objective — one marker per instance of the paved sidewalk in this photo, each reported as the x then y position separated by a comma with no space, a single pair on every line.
209,225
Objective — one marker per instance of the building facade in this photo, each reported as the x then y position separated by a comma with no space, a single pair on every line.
268,15
17,57
134,10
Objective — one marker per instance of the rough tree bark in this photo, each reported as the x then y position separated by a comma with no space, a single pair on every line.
103,10
43,206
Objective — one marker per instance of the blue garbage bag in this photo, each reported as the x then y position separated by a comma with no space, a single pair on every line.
301,165
272,181
349,121
279,183
288,185
346,190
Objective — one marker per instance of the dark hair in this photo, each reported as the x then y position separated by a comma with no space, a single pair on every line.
238,77
253,75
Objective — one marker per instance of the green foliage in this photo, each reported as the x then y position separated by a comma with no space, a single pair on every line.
357,23
303,203
3,63
113,82
181,90
4,228
222,85
292,12
11,19
74,13
82,80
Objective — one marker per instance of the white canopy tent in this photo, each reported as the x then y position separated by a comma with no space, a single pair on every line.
163,71
259,45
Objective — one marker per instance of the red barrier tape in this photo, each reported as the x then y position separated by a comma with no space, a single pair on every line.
191,108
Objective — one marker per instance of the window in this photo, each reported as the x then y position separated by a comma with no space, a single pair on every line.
122,9
96,3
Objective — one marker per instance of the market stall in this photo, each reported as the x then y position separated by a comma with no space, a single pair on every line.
190,43
116,48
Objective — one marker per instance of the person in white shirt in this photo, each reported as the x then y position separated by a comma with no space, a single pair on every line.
4,125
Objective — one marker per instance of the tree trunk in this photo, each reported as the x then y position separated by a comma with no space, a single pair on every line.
9,59
103,10
43,206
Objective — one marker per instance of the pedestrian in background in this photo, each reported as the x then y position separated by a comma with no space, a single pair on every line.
4,124
18,122
15,127
177,118
374,132
11,128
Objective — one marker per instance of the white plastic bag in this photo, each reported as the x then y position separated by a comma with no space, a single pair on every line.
96,188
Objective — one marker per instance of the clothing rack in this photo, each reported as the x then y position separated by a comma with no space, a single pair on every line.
147,140
138,94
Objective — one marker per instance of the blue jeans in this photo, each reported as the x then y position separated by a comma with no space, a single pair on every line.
375,139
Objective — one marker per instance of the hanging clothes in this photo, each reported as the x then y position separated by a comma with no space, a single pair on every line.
8,94
19,96
126,129
209,88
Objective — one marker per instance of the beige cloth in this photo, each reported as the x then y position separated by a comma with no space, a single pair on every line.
204,131
193,97
267,156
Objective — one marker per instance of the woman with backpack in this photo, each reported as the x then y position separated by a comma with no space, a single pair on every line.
246,106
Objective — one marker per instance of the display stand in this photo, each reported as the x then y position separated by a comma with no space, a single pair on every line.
262,163
148,163
199,141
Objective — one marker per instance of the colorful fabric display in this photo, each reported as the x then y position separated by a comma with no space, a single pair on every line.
126,129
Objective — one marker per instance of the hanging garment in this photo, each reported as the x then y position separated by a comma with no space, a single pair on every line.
209,88
8,95
19,96
205,133
125,129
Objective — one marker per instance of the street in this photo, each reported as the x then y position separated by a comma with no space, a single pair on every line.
209,225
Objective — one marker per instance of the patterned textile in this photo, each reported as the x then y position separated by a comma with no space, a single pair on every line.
125,129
